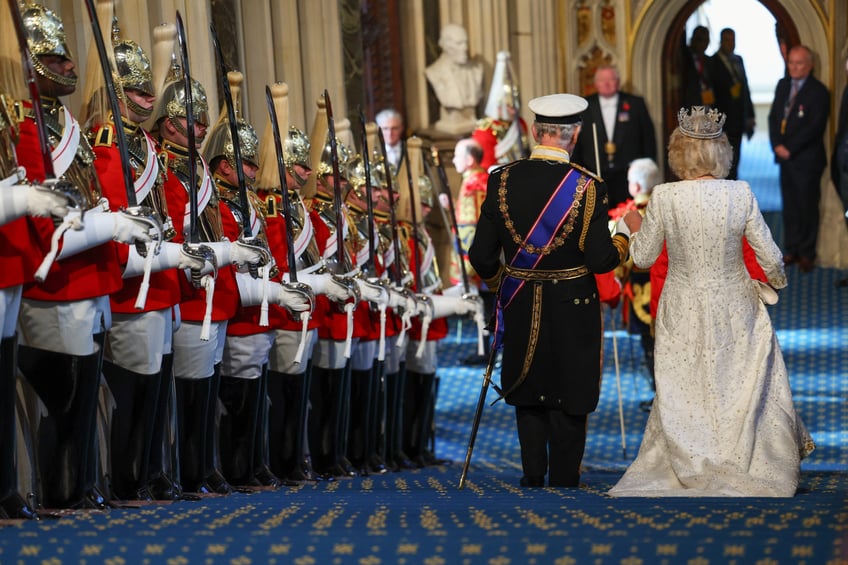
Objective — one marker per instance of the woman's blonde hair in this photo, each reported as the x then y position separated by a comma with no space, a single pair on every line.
689,157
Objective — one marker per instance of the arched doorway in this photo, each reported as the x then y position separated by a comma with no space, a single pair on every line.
786,34
659,33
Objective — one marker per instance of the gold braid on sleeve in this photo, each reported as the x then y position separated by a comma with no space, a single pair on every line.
494,282
589,210
622,243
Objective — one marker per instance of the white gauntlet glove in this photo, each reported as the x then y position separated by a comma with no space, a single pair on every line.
459,290
296,297
330,286
444,306
100,227
171,256
18,200
372,291
239,252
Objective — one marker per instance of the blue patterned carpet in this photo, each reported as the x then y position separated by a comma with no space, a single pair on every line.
421,517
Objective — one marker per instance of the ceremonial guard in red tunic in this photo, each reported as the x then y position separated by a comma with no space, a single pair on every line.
64,317
20,254
548,219
208,304
138,357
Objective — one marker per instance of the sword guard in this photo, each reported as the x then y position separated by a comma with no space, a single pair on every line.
203,253
147,216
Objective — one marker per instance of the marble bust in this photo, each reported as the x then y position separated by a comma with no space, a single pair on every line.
456,80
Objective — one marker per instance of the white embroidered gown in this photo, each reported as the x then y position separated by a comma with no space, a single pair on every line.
723,422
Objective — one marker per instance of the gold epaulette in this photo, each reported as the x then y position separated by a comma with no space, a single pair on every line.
104,136
587,172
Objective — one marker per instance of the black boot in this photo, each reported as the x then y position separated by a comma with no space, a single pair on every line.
192,410
376,422
359,445
342,463
238,428
321,425
415,410
288,419
262,474
132,431
162,481
214,480
68,385
395,399
12,504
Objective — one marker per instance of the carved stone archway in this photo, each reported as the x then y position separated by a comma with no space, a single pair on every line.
659,31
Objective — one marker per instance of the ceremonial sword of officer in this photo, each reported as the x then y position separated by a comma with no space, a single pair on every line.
284,186
337,184
247,230
369,195
392,214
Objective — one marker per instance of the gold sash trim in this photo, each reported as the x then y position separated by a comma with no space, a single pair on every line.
540,275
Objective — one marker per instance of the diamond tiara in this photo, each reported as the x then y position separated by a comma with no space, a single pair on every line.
701,123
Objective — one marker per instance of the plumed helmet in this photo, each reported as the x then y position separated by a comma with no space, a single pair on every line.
220,143
425,191
356,172
46,36
325,167
133,66
172,102
296,148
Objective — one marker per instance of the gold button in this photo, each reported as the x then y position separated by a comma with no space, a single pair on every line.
577,301
542,398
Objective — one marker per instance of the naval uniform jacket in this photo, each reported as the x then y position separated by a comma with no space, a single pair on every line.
562,313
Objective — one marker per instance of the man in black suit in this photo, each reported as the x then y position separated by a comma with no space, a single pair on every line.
549,220
797,122
625,132
696,82
732,95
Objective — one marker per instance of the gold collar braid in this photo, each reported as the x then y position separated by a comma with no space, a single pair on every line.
567,227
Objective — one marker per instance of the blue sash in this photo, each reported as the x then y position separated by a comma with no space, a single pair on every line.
543,232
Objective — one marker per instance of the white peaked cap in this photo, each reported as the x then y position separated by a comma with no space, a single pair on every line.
558,108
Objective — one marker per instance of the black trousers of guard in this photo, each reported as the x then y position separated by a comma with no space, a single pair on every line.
552,443
68,385
12,504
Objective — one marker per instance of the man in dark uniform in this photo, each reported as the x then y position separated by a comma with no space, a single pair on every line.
797,122
732,95
625,132
548,314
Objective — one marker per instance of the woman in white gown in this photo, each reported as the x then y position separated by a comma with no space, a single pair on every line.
723,422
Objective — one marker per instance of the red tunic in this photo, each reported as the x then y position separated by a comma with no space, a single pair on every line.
88,274
225,299
164,289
